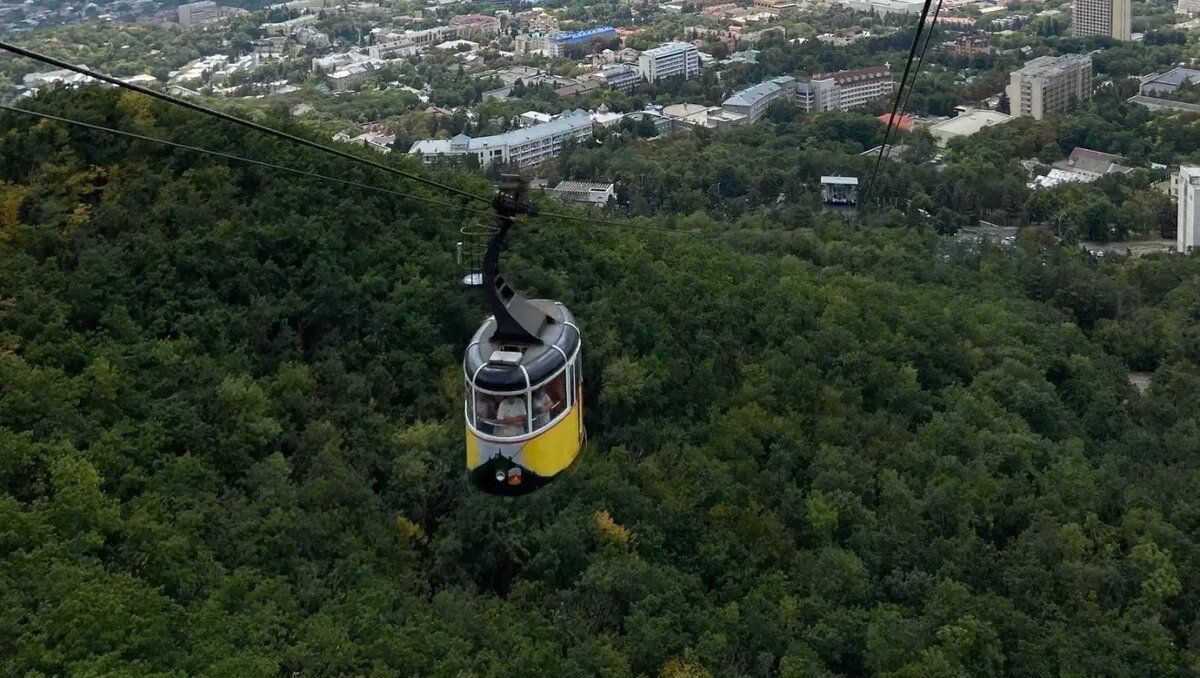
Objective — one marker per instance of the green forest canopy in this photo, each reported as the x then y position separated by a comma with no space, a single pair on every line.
230,438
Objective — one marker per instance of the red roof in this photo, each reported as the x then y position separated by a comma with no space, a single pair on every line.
902,122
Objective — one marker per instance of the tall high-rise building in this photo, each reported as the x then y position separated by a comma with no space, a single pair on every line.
670,60
1188,236
1102,17
1049,85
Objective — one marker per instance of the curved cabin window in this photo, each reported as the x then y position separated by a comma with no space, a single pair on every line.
550,400
570,385
470,404
503,416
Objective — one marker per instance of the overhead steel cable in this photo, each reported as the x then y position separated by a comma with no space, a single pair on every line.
238,158
316,175
264,129
921,60
912,53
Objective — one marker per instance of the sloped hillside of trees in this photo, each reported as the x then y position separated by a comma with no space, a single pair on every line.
230,437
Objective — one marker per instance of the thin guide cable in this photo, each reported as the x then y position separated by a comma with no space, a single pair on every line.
912,52
237,158
21,51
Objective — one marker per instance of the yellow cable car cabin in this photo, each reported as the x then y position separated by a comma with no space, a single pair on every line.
524,386
524,405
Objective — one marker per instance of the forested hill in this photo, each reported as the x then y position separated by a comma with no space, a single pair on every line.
230,437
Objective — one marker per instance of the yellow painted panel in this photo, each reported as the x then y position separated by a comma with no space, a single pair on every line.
550,452
554,449
472,449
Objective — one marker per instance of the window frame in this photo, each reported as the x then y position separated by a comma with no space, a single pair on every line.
472,420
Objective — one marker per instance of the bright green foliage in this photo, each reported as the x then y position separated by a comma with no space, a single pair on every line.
231,438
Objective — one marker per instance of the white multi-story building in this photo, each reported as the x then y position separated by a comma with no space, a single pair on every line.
752,102
861,86
430,36
670,60
884,7
1048,85
198,13
844,90
620,77
521,147
1111,18
1188,236
816,95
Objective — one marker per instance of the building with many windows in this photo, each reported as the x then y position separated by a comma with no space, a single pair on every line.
1048,85
194,13
559,42
468,26
619,77
752,102
775,6
521,147
1111,18
429,37
1188,235
350,76
844,90
669,60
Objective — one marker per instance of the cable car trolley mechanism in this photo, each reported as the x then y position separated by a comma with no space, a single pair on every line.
524,387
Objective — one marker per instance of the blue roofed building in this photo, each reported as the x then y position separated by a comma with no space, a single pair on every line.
560,41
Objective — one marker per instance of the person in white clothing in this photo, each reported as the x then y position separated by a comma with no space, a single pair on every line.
511,416
541,409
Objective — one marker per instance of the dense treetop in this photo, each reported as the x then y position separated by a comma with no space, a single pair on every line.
230,436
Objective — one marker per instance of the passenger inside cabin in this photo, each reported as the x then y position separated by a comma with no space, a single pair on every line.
511,417
485,412
541,408
549,402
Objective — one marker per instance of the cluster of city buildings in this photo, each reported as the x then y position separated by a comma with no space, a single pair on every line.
32,83
347,70
542,136
23,15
